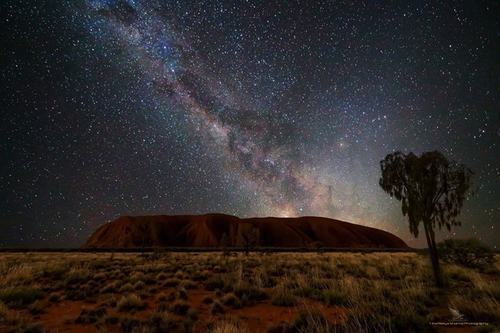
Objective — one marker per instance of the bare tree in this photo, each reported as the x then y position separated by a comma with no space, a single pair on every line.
225,242
248,235
144,230
432,191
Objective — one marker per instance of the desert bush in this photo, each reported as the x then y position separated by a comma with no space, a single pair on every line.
200,277
229,299
214,282
180,275
251,292
283,297
319,284
136,277
77,275
88,316
266,281
149,280
179,307
193,314
37,307
110,288
20,296
54,298
126,288
129,324
183,294
139,285
75,294
161,276
161,321
111,302
130,302
231,325
207,300
188,284
3,311
470,253
33,328
335,297
54,271
172,282
100,276
108,320
19,275
312,322
306,291
216,308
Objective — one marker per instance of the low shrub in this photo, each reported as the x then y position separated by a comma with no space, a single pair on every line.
126,288
215,282
283,297
130,302
54,298
229,299
139,285
161,321
180,308
470,253
129,324
109,288
183,294
312,322
172,282
251,292
161,276
20,296
88,316
207,300
77,275
188,284
334,297
216,308
37,307
231,325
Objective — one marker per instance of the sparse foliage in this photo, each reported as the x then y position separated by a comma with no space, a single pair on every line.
224,244
144,230
249,236
470,252
431,189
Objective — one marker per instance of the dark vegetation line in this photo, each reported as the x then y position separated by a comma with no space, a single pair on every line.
205,249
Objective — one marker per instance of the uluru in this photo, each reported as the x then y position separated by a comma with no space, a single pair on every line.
208,230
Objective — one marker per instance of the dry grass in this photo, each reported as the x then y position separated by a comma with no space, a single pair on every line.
383,292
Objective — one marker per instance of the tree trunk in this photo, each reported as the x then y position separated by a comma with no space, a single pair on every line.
431,244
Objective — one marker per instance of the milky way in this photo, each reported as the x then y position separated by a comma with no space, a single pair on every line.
157,107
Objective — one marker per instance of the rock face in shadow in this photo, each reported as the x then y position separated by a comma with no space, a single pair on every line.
207,231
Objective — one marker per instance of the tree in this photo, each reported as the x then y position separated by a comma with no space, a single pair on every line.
431,189
225,243
144,230
248,235
471,253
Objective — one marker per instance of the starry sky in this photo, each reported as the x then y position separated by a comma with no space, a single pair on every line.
250,108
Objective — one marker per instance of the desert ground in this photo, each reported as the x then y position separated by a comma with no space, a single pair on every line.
262,292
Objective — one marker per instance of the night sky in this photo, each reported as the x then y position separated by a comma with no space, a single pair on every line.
250,108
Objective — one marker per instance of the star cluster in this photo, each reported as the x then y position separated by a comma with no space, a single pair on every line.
251,108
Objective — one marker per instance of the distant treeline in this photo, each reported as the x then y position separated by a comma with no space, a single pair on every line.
208,249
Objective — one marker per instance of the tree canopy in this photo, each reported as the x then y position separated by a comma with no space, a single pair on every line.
429,187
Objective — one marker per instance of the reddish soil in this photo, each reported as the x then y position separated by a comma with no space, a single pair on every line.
261,317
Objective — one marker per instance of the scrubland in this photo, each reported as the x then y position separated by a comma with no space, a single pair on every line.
262,292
